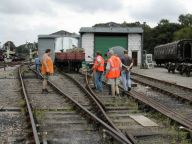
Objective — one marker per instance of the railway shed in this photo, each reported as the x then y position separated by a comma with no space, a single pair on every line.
102,38
57,41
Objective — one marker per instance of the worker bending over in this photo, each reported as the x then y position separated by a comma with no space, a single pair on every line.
113,70
46,68
98,69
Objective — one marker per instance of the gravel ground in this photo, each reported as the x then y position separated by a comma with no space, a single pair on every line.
10,95
162,74
43,101
9,72
71,89
12,123
12,128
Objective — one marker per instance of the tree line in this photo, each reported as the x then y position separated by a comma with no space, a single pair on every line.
163,33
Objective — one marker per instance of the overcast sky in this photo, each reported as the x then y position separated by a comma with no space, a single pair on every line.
23,20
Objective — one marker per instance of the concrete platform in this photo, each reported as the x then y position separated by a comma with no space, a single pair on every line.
144,121
162,74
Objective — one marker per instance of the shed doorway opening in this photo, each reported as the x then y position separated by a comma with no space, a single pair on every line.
134,57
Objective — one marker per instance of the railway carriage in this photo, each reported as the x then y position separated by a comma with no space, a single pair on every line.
176,56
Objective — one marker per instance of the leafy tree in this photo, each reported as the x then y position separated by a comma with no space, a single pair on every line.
10,44
164,22
185,20
22,49
161,34
184,33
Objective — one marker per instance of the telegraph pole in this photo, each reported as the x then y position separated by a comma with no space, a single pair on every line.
8,50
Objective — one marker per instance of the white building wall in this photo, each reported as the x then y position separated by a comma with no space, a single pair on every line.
88,45
134,45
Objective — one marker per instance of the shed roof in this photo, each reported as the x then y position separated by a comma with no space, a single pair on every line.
47,36
111,30
56,36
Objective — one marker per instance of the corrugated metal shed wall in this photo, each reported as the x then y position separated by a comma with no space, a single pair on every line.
87,42
45,43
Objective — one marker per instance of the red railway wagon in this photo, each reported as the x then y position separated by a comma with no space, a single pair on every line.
61,56
70,55
79,55
71,61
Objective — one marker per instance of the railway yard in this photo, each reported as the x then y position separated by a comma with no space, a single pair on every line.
95,72
155,111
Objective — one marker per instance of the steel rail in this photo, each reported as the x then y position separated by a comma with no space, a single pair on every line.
188,99
161,108
114,133
119,137
29,109
108,119
98,103
162,81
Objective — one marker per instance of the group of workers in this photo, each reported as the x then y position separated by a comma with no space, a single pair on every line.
117,69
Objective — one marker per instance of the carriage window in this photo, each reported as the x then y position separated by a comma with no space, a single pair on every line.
187,50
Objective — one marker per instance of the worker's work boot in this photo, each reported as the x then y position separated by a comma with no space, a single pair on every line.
44,91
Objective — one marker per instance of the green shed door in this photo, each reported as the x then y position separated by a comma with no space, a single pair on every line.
103,43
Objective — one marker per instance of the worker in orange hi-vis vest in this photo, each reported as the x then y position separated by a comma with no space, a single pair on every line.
113,70
98,69
46,68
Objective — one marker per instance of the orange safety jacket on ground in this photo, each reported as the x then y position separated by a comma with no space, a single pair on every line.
99,66
49,65
115,65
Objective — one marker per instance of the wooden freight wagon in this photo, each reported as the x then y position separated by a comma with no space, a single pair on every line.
70,61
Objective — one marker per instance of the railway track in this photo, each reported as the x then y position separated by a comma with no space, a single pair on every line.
61,117
28,110
168,88
161,101
121,110
14,119
67,114
75,88
11,64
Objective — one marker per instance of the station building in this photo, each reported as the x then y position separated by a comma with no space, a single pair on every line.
94,39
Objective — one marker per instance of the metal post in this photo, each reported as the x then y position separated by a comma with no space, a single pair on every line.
142,35
62,41
8,49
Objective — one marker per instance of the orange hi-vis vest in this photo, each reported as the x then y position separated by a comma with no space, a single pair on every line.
49,65
114,71
99,66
